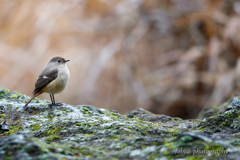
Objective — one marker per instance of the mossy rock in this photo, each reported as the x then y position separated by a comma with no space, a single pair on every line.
87,132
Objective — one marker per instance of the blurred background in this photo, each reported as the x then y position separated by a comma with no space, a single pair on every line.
170,57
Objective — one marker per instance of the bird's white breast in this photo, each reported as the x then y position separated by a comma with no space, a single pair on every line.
60,83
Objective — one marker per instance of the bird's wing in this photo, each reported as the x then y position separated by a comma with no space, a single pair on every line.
44,79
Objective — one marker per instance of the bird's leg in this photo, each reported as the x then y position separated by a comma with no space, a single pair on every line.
55,104
52,99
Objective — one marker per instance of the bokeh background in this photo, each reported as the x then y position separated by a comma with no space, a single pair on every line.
171,57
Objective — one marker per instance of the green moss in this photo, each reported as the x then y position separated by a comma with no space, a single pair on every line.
32,119
63,109
54,131
141,128
113,115
9,105
84,151
14,129
4,92
167,152
115,137
83,125
86,111
153,157
18,121
156,125
27,99
94,124
129,127
116,131
143,146
228,121
236,123
101,147
187,139
198,157
72,148
188,145
52,137
51,131
209,112
2,116
15,96
78,124
213,146
35,126
120,132
88,135
125,130
50,117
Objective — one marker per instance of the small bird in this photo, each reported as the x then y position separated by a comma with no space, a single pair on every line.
53,79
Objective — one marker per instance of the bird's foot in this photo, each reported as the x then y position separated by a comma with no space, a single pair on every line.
58,104
55,104
51,104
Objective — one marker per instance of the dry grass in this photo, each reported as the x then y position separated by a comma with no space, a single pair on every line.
173,57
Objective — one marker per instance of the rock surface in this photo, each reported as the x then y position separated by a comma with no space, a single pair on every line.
86,132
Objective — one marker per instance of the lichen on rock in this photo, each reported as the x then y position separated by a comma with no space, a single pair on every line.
87,132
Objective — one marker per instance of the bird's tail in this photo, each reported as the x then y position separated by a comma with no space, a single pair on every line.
35,95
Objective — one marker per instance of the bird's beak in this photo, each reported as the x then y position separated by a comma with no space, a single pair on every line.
67,60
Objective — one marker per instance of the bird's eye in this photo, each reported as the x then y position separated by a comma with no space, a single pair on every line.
59,61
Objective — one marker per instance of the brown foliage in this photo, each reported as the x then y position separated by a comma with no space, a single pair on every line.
173,57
